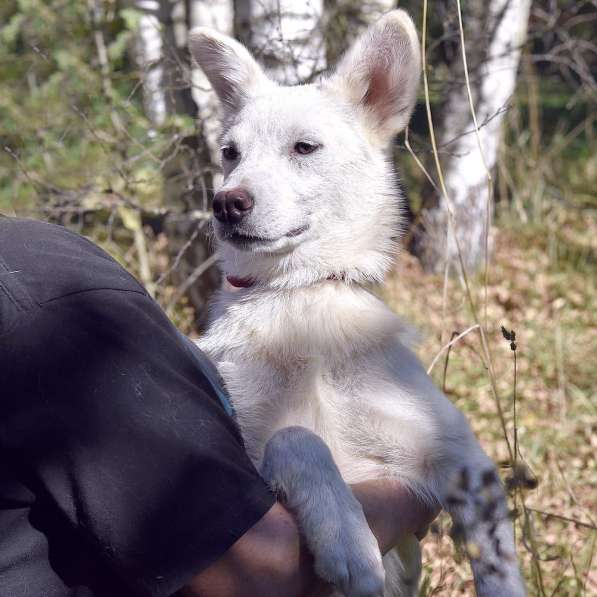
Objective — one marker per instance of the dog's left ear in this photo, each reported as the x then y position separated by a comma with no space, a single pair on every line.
380,74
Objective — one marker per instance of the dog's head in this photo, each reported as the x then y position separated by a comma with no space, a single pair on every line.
308,192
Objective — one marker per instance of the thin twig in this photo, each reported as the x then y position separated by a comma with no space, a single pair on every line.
195,275
449,345
580,523
482,153
463,271
445,373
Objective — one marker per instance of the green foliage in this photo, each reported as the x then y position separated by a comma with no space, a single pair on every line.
67,122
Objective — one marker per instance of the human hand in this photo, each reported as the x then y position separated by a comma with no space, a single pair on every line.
271,560
393,511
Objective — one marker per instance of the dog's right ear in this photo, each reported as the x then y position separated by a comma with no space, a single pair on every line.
232,71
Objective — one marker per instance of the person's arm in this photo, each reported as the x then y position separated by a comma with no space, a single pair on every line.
270,560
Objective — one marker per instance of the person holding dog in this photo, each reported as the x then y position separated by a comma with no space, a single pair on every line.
121,471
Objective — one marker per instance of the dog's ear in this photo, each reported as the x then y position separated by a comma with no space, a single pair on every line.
233,73
380,73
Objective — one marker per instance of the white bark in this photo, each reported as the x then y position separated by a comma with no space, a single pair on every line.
375,9
347,19
466,173
219,15
149,55
286,36
368,13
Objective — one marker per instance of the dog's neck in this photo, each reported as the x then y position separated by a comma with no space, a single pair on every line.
334,318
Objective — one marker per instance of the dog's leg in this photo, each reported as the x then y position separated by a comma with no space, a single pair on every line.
478,506
403,568
300,467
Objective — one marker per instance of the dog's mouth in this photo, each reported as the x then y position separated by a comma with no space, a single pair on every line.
246,241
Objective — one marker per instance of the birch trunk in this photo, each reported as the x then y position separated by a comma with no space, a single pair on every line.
161,53
286,36
347,19
219,15
149,57
500,27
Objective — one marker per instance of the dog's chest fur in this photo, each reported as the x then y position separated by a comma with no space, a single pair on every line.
307,391
321,357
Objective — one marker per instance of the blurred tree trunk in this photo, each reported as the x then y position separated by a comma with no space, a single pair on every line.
161,53
286,36
148,56
347,19
494,34
219,15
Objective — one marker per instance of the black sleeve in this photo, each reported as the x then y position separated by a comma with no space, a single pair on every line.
105,411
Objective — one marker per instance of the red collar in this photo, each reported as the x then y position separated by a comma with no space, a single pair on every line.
238,282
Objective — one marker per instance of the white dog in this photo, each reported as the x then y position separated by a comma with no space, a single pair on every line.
324,389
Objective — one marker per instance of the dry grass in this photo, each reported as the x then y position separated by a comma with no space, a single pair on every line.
542,285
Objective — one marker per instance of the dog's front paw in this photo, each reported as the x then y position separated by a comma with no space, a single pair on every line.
299,466
348,556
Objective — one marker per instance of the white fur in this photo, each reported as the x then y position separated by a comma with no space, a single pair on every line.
307,344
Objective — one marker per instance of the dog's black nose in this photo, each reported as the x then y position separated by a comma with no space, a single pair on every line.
230,207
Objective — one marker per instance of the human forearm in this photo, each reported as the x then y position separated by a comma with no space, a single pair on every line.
271,559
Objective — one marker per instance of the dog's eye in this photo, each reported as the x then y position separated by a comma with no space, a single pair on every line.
305,148
230,153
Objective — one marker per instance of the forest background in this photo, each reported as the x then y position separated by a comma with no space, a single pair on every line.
107,128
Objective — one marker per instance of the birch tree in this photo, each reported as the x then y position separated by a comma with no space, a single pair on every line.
188,167
347,19
159,51
494,34
286,36
219,15
149,55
